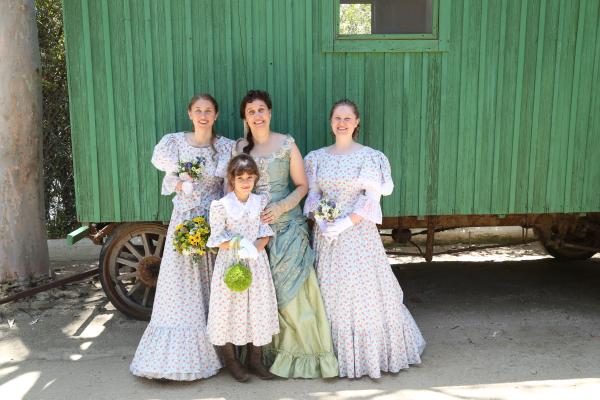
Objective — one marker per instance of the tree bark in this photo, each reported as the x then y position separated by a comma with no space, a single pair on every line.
23,246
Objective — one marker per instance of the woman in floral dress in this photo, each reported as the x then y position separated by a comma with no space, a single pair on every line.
303,348
372,329
175,345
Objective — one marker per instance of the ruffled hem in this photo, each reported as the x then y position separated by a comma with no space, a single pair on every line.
288,365
175,376
175,353
393,354
256,341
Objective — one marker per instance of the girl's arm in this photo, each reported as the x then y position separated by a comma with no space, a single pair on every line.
261,243
224,245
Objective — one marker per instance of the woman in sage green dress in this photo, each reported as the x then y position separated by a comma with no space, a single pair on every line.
303,348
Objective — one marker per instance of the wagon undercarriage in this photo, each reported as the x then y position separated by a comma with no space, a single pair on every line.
131,252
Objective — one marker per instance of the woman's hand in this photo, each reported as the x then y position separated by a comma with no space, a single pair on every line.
186,187
271,213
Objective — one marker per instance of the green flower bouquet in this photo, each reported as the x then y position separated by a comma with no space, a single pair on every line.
238,276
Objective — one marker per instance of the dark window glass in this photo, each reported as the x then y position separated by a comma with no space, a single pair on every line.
360,17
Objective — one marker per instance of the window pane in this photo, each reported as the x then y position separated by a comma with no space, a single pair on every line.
385,16
355,19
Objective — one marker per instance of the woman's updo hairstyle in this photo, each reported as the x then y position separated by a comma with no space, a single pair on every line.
207,97
351,104
251,96
240,165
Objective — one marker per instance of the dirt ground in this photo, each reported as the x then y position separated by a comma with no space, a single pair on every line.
506,323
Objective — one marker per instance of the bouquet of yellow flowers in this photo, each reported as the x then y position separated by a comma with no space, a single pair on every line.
190,237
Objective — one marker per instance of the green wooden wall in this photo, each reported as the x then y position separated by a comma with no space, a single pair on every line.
505,121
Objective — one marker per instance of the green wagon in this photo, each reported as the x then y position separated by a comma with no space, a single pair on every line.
486,109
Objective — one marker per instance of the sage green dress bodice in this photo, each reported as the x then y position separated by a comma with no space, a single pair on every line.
290,254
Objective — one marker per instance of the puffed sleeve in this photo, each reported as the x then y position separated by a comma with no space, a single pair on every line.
376,179
165,157
225,149
217,219
264,230
314,192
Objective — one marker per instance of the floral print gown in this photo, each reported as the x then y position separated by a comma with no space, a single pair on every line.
303,348
175,344
372,329
249,316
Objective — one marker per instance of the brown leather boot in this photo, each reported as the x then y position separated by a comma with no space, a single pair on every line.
255,364
232,363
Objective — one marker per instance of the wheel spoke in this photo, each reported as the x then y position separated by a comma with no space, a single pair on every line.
133,251
146,244
129,263
126,276
135,287
159,245
145,299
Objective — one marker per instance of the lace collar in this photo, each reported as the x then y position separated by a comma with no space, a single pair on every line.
236,209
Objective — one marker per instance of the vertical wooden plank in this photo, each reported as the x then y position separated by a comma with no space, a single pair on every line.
76,77
129,145
468,108
152,195
91,106
495,203
411,103
518,104
309,77
189,48
297,97
591,200
423,136
578,168
548,81
449,124
114,159
526,108
328,17
479,198
561,105
433,127
290,66
393,142
568,161
269,26
536,107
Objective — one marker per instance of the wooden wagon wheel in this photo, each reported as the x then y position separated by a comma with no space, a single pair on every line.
569,239
129,265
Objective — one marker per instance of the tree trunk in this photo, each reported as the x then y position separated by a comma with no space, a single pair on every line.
23,246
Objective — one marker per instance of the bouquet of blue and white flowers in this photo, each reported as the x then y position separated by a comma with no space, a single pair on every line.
326,211
191,170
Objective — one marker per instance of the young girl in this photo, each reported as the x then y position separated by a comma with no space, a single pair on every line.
248,317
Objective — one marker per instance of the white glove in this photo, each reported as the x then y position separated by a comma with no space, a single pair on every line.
187,187
334,229
247,250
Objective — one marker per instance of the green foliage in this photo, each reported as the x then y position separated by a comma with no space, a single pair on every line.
238,277
59,191
355,19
